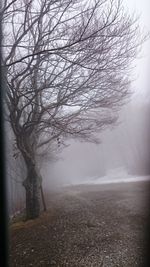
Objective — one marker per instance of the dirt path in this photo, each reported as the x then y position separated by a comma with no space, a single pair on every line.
89,226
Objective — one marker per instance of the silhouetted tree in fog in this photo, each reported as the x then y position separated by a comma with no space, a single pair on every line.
67,72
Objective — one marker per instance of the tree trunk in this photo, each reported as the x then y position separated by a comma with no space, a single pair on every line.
32,187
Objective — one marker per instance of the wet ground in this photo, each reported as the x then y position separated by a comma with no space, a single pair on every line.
91,226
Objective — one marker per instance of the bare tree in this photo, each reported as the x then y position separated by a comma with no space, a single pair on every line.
67,73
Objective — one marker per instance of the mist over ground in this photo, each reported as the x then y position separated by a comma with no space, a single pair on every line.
123,154
124,148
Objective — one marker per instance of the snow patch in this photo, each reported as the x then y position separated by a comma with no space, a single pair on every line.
118,175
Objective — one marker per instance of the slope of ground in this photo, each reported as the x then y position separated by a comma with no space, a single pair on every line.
91,226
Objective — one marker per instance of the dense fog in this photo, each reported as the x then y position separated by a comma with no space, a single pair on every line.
77,132
123,147
123,151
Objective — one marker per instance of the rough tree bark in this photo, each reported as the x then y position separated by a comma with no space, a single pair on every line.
32,187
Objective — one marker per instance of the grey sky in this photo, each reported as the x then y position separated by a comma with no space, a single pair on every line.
142,8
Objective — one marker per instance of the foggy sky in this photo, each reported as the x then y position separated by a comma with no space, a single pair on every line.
126,145
141,84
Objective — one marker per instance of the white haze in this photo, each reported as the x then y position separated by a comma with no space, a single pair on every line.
124,152
125,148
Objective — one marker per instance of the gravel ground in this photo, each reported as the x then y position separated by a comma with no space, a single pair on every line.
91,226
